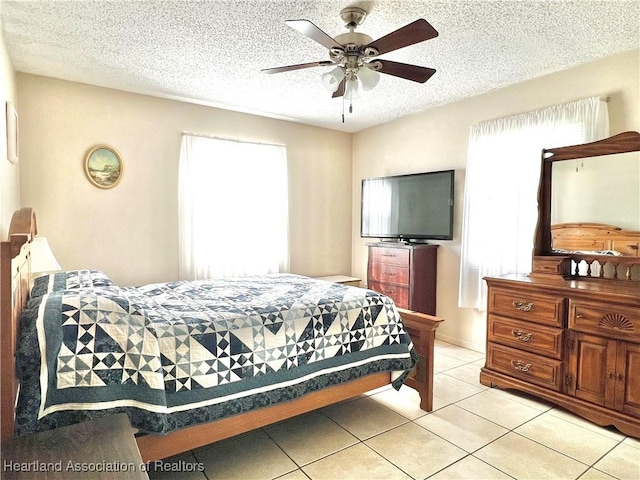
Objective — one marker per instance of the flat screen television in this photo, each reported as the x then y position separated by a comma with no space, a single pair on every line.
408,207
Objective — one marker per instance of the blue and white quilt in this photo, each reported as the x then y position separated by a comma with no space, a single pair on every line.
174,354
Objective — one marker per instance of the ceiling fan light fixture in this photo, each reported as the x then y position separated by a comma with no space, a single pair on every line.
353,55
352,90
331,80
368,77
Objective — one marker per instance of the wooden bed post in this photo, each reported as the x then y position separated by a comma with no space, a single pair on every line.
6,355
422,330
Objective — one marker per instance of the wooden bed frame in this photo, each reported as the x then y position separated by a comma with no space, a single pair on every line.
595,237
15,284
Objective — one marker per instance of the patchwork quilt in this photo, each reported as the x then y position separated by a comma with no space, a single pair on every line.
174,354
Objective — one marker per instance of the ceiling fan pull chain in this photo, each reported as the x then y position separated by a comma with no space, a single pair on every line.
343,109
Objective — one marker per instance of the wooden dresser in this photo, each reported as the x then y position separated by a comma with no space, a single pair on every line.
573,342
570,331
406,273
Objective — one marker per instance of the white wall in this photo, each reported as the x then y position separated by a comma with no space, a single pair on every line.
437,140
131,231
9,173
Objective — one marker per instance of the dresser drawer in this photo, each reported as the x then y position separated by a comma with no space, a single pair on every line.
526,336
399,295
526,366
608,320
389,273
395,256
545,309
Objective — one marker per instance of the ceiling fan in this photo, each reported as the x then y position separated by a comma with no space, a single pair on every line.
355,55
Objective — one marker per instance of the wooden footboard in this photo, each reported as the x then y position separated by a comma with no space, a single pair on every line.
155,447
421,327
422,330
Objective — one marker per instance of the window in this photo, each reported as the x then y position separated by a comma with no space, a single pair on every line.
501,187
233,208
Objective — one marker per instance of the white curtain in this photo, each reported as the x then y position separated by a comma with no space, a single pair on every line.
233,208
501,187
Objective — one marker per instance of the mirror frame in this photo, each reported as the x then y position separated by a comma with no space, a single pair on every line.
621,143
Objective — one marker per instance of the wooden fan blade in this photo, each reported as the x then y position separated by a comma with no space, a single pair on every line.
415,32
406,71
322,63
307,28
340,91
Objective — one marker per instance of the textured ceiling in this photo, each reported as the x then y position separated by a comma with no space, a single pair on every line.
211,52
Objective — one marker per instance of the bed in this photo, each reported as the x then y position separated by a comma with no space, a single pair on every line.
597,250
153,353
595,238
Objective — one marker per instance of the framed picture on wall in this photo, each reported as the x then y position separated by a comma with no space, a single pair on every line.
12,133
103,166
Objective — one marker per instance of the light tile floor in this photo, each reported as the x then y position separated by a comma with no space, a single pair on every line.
473,433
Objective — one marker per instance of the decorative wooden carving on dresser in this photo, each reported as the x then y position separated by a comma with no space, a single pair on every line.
568,334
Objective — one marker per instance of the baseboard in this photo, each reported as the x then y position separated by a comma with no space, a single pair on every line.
461,343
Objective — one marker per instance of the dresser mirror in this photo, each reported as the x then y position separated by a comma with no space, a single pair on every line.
589,207
597,190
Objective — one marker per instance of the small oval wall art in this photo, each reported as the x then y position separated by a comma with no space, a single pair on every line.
103,166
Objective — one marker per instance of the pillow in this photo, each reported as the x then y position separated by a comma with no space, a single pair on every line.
84,281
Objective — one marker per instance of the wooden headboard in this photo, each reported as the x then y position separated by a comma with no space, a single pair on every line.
594,237
15,284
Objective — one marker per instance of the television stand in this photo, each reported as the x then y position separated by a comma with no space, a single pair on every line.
405,272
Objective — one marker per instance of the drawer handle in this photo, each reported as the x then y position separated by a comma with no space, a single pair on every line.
522,305
387,255
522,335
390,274
389,291
520,365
